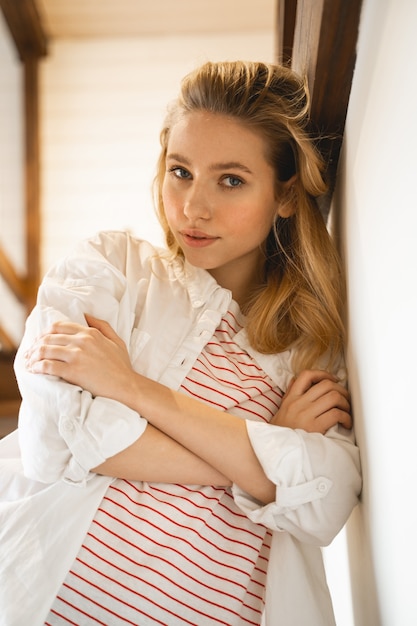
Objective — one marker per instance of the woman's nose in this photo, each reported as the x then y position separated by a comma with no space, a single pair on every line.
197,203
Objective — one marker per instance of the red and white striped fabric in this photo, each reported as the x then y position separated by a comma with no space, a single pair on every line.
177,554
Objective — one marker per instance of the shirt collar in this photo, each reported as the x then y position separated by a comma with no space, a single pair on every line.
200,285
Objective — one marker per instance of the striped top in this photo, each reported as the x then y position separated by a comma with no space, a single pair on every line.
177,554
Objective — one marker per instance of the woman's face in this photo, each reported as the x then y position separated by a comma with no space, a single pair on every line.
219,196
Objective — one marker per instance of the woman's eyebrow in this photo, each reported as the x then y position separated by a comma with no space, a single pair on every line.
231,165
227,165
175,156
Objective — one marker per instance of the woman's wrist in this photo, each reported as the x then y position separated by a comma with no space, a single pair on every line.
138,392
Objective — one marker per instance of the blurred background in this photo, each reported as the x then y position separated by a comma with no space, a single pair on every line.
84,86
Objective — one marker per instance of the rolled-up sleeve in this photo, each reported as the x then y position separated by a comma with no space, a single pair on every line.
317,480
63,430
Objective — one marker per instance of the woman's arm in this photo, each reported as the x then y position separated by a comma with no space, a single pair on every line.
155,457
99,359
64,431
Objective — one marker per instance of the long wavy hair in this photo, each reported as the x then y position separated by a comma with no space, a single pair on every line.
300,301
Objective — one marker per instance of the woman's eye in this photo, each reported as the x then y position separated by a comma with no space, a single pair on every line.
180,172
232,181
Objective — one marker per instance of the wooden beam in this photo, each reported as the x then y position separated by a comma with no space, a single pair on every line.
25,26
30,39
286,16
8,424
6,342
25,287
16,283
8,385
32,175
324,50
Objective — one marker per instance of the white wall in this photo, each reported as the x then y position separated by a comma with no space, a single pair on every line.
377,195
103,102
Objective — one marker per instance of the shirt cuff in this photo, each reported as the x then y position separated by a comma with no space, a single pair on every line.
108,428
281,452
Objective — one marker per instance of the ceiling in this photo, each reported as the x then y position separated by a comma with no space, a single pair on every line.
130,18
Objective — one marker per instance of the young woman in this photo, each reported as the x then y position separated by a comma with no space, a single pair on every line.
185,443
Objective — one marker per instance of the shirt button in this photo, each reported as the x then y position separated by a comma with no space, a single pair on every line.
198,303
322,487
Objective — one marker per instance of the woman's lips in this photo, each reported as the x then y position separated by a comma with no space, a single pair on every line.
196,238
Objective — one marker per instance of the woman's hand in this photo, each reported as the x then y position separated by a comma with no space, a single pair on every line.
93,357
315,401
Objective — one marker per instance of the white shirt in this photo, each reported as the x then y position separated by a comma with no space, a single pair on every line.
165,311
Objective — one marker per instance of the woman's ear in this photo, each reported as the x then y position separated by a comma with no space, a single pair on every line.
287,204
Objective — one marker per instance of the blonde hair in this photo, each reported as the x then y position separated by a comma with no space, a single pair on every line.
300,303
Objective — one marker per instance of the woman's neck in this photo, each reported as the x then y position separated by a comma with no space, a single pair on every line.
240,282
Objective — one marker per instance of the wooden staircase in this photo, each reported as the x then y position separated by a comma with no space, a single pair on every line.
9,394
29,38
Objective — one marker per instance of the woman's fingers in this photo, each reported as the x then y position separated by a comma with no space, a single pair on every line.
327,420
93,357
315,402
307,379
67,333
103,326
52,353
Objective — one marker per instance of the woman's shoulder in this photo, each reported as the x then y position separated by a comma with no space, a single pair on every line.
122,242
110,252
120,248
